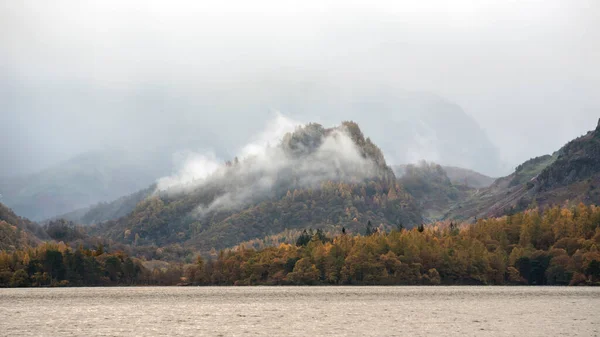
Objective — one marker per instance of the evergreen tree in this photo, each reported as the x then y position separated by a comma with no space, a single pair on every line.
303,239
369,229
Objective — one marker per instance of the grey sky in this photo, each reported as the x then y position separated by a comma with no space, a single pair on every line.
79,75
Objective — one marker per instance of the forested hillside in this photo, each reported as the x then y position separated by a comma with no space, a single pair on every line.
434,192
105,211
458,176
323,207
299,185
316,177
17,232
558,246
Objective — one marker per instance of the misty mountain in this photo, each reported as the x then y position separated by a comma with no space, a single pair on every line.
315,177
457,175
571,175
411,127
467,177
438,189
105,211
82,181
407,126
432,189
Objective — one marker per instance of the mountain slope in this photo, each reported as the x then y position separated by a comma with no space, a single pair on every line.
17,232
79,182
316,177
106,211
457,175
431,188
570,175
467,177
411,127
577,161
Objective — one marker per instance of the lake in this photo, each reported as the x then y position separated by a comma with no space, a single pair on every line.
300,311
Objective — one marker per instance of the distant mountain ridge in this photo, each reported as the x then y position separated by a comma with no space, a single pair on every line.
407,126
105,211
457,175
79,182
571,175
415,126
431,187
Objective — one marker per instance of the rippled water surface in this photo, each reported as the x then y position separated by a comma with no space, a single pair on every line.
301,311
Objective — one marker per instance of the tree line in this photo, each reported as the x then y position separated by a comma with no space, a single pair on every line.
57,264
556,246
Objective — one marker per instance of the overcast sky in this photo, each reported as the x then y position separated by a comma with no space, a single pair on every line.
80,75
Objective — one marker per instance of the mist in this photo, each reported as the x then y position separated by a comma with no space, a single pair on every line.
286,155
181,78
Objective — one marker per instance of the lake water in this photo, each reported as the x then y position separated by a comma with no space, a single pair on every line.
301,311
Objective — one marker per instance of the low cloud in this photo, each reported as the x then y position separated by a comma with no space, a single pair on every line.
284,156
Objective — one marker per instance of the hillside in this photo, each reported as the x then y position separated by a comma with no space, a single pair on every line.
457,175
432,189
105,211
77,183
571,175
467,177
315,178
17,232
554,247
557,246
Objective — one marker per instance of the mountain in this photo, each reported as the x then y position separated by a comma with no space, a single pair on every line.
467,177
457,175
105,211
411,127
82,181
432,189
577,161
437,189
407,126
17,232
316,177
571,175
